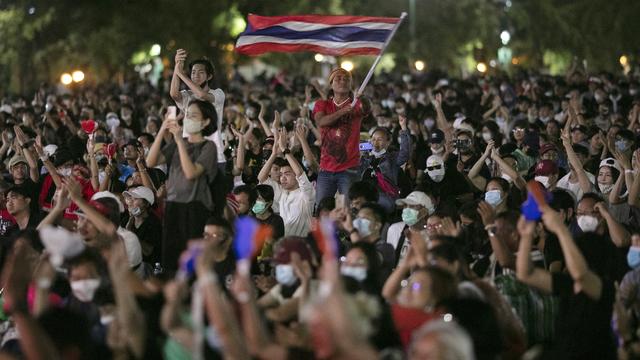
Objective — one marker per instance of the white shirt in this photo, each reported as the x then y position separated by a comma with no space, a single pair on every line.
574,188
218,103
394,233
296,207
132,247
277,192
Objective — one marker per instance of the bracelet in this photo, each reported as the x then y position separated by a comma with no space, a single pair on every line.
629,171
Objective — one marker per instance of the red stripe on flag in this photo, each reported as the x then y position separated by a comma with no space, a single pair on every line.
261,22
263,47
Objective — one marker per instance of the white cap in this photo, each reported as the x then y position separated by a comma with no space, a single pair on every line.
112,115
417,198
50,149
107,194
610,162
141,192
132,246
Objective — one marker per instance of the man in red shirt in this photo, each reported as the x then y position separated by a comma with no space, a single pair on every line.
339,124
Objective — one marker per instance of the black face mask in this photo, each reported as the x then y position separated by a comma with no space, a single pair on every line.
354,212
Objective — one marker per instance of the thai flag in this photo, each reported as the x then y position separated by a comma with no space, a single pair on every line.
329,35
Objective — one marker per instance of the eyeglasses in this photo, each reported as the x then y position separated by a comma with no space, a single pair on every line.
434,167
517,130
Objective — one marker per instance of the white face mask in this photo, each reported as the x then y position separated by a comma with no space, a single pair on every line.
435,168
378,153
65,172
436,175
544,180
428,123
604,188
587,223
486,136
285,275
358,273
439,150
136,211
192,126
84,290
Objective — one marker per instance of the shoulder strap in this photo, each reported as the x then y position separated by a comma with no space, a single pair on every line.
400,244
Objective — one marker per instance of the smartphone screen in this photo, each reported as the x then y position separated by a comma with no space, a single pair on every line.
366,146
171,112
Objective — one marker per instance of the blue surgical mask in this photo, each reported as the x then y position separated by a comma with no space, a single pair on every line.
493,197
410,216
633,257
363,226
358,273
259,207
285,275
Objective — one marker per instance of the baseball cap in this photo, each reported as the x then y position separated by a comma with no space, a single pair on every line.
546,168
417,198
17,159
132,247
141,192
437,136
23,190
102,209
50,149
610,162
108,194
285,247
548,147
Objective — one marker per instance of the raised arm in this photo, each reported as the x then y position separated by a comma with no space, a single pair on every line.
525,271
474,174
263,124
62,201
584,279
192,170
155,157
282,142
104,225
619,235
181,56
576,165
301,133
26,145
144,174
238,165
517,178
505,257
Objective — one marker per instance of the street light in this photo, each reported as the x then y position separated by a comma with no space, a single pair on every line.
66,79
77,76
319,57
347,65
155,50
624,60
482,67
505,37
419,64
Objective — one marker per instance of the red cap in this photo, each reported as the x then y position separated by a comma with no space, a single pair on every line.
548,147
285,247
546,168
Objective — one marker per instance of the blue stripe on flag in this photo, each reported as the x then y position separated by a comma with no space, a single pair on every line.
339,34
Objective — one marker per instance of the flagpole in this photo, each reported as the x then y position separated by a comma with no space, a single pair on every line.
375,63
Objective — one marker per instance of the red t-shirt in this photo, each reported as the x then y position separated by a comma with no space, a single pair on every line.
407,320
340,142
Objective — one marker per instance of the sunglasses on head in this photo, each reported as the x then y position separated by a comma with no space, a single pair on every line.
434,167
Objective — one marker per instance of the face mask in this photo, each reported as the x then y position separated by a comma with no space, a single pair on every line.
493,197
428,123
84,290
358,273
65,172
621,145
363,226
378,153
544,180
112,123
486,136
439,150
587,223
633,257
259,207
605,189
410,216
598,97
136,211
306,163
192,126
545,119
401,111
436,175
285,275
251,113
100,157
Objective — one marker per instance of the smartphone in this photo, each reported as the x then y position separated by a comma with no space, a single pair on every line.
340,201
366,146
172,112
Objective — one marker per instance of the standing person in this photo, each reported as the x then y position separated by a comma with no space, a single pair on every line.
339,124
191,164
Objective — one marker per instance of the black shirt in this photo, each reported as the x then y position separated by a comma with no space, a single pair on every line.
276,223
150,235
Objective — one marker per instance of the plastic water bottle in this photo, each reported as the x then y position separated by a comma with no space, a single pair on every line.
157,269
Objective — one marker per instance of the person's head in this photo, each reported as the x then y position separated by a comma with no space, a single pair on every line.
496,191
435,168
275,168
578,133
18,200
549,151
417,206
588,217
434,223
245,196
553,129
153,125
84,274
361,192
264,200
491,131
131,149
369,221
546,173
436,141
69,332
441,340
563,202
607,175
506,228
288,179
325,206
380,139
625,140
449,257
107,207
595,141
283,251
63,161
146,140
340,81
200,118
362,263
427,287
218,232
519,130
201,72
139,200
18,168
464,142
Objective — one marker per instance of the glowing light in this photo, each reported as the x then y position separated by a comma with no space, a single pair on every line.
347,65
493,63
77,76
419,64
447,317
505,37
515,61
155,50
319,57
482,67
624,60
66,79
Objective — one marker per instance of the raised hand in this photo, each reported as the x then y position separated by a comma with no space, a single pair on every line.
301,131
526,228
402,121
282,139
437,101
181,57
487,213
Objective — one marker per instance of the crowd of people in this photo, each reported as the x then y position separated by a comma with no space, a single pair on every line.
400,221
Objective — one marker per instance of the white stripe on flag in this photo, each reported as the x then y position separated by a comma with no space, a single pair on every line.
250,40
309,26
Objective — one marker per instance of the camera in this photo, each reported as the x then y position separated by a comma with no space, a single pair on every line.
462,144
